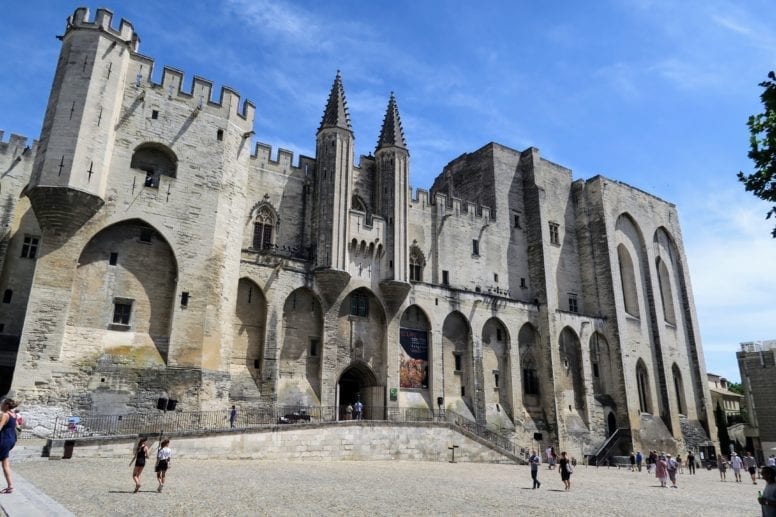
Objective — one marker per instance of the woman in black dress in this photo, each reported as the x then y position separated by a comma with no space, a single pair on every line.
564,465
141,453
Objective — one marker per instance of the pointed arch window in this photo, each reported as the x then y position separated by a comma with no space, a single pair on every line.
666,294
263,229
642,382
417,263
628,279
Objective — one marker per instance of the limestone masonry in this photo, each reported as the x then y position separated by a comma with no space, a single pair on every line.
147,249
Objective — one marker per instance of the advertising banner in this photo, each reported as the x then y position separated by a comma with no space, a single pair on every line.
413,366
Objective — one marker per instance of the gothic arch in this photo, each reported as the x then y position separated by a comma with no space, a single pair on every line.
125,281
571,379
601,365
362,318
644,388
628,281
497,372
530,364
681,401
666,292
250,318
265,221
417,264
301,349
457,359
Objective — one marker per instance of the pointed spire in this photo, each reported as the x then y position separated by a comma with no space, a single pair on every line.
391,134
336,112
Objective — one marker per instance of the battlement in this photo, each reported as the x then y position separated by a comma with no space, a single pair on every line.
284,162
449,206
102,21
200,93
17,145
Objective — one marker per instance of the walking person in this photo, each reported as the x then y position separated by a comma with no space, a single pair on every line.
661,471
751,465
232,416
639,460
139,459
679,464
553,457
163,459
632,459
671,467
767,498
534,461
736,464
7,440
722,466
564,465
358,407
691,463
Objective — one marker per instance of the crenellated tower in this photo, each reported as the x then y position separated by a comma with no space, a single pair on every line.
391,187
333,182
76,145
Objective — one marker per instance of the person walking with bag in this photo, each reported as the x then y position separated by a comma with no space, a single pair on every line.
566,469
7,440
163,459
139,459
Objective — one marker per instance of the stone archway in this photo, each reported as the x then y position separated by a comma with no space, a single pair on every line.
359,383
611,424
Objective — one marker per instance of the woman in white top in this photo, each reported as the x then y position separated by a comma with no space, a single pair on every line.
163,459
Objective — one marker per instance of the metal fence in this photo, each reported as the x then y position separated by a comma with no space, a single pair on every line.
158,423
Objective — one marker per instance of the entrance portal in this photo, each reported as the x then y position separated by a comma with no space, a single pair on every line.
359,384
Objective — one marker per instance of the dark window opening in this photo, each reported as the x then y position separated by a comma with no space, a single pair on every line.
114,258
495,378
121,312
155,114
151,179
463,391
530,381
457,362
220,135
495,277
573,305
516,221
445,278
595,370
554,233
416,273
314,343
522,283
29,247
262,236
359,305
498,334
185,299
145,235
475,247
7,295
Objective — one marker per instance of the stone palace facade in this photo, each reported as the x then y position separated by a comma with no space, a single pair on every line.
148,249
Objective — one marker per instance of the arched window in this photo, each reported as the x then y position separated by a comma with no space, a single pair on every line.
263,226
642,382
417,263
678,389
666,294
628,278
357,204
156,160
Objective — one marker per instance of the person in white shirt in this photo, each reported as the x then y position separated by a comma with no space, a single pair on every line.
163,459
736,464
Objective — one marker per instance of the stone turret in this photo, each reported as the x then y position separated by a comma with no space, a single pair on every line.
333,189
70,172
392,186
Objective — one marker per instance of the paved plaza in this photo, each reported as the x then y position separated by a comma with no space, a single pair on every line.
231,487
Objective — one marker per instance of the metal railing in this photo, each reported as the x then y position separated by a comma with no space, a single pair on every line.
158,423
609,444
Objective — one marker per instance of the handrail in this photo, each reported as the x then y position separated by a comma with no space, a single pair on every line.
609,443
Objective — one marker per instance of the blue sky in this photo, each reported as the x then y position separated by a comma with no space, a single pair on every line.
652,93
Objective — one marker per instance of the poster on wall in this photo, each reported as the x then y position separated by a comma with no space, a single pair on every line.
413,357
